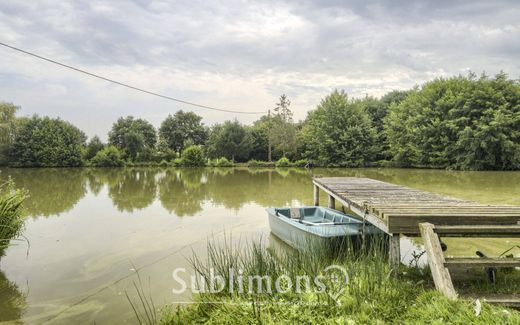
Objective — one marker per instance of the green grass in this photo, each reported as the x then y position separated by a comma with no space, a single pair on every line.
11,214
372,296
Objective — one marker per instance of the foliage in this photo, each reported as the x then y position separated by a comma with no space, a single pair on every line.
221,162
93,147
11,214
230,140
283,162
108,157
47,142
135,137
372,295
465,123
301,163
256,163
378,109
339,133
182,129
7,129
460,123
260,139
283,130
193,156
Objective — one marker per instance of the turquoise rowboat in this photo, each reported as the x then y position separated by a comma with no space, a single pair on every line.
298,227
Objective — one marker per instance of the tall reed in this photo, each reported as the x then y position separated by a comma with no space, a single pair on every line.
11,214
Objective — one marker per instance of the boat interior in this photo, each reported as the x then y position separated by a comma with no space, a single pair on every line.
316,216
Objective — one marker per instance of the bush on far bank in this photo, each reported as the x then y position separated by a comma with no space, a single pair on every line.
193,156
108,157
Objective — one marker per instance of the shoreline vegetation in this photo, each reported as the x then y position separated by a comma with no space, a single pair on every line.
458,123
372,294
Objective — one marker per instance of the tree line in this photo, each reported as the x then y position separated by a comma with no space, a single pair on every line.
462,122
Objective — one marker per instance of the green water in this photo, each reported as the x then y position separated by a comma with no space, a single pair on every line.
89,229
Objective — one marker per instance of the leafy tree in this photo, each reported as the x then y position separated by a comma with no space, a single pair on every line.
339,133
133,136
193,156
181,129
108,157
459,122
283,131
259,132
7,129
378,109
93,147
230,140
47,142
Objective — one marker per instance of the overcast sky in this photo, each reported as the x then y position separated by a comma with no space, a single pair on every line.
240,55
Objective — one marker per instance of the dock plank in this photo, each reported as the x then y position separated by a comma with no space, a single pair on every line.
399,209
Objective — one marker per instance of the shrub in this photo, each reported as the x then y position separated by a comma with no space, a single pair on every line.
256,163
283,162
177,162
193,156
301,163
221,162
47,142
164,163
11,218
108,157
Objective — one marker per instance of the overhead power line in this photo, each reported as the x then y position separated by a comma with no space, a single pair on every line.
127,85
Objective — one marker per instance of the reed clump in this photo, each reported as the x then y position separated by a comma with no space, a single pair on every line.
371,294
11,214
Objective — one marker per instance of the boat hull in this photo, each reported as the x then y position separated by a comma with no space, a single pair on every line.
302,236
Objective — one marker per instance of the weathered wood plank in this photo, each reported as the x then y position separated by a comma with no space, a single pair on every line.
332,202
508,300
441,275
481,262
394,252
478,230
400,209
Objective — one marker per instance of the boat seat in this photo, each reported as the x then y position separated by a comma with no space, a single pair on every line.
295,213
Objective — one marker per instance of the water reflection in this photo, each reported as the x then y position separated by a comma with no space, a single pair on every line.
184,191
12,301
51,190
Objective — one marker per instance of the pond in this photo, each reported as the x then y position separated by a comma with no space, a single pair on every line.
88,230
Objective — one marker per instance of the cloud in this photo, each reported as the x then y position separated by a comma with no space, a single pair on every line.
241,54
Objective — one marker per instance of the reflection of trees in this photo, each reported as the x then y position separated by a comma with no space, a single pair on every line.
12,301
133,188
51,190
183,191
266,187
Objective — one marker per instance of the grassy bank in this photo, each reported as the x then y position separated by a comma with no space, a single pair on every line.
11,218
372,295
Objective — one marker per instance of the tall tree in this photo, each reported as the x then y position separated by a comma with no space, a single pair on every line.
230,140
339,133
460,122
283,131
7,129
378,109
47,142
93,147
181,129
134,136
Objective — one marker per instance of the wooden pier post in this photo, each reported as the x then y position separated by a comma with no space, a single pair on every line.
394,252
332,202
316,195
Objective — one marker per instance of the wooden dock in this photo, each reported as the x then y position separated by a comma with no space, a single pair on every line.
400,210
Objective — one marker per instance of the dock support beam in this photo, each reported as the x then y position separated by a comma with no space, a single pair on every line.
394,252
316,195
332,202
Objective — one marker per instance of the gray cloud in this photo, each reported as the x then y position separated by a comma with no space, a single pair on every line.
242,54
